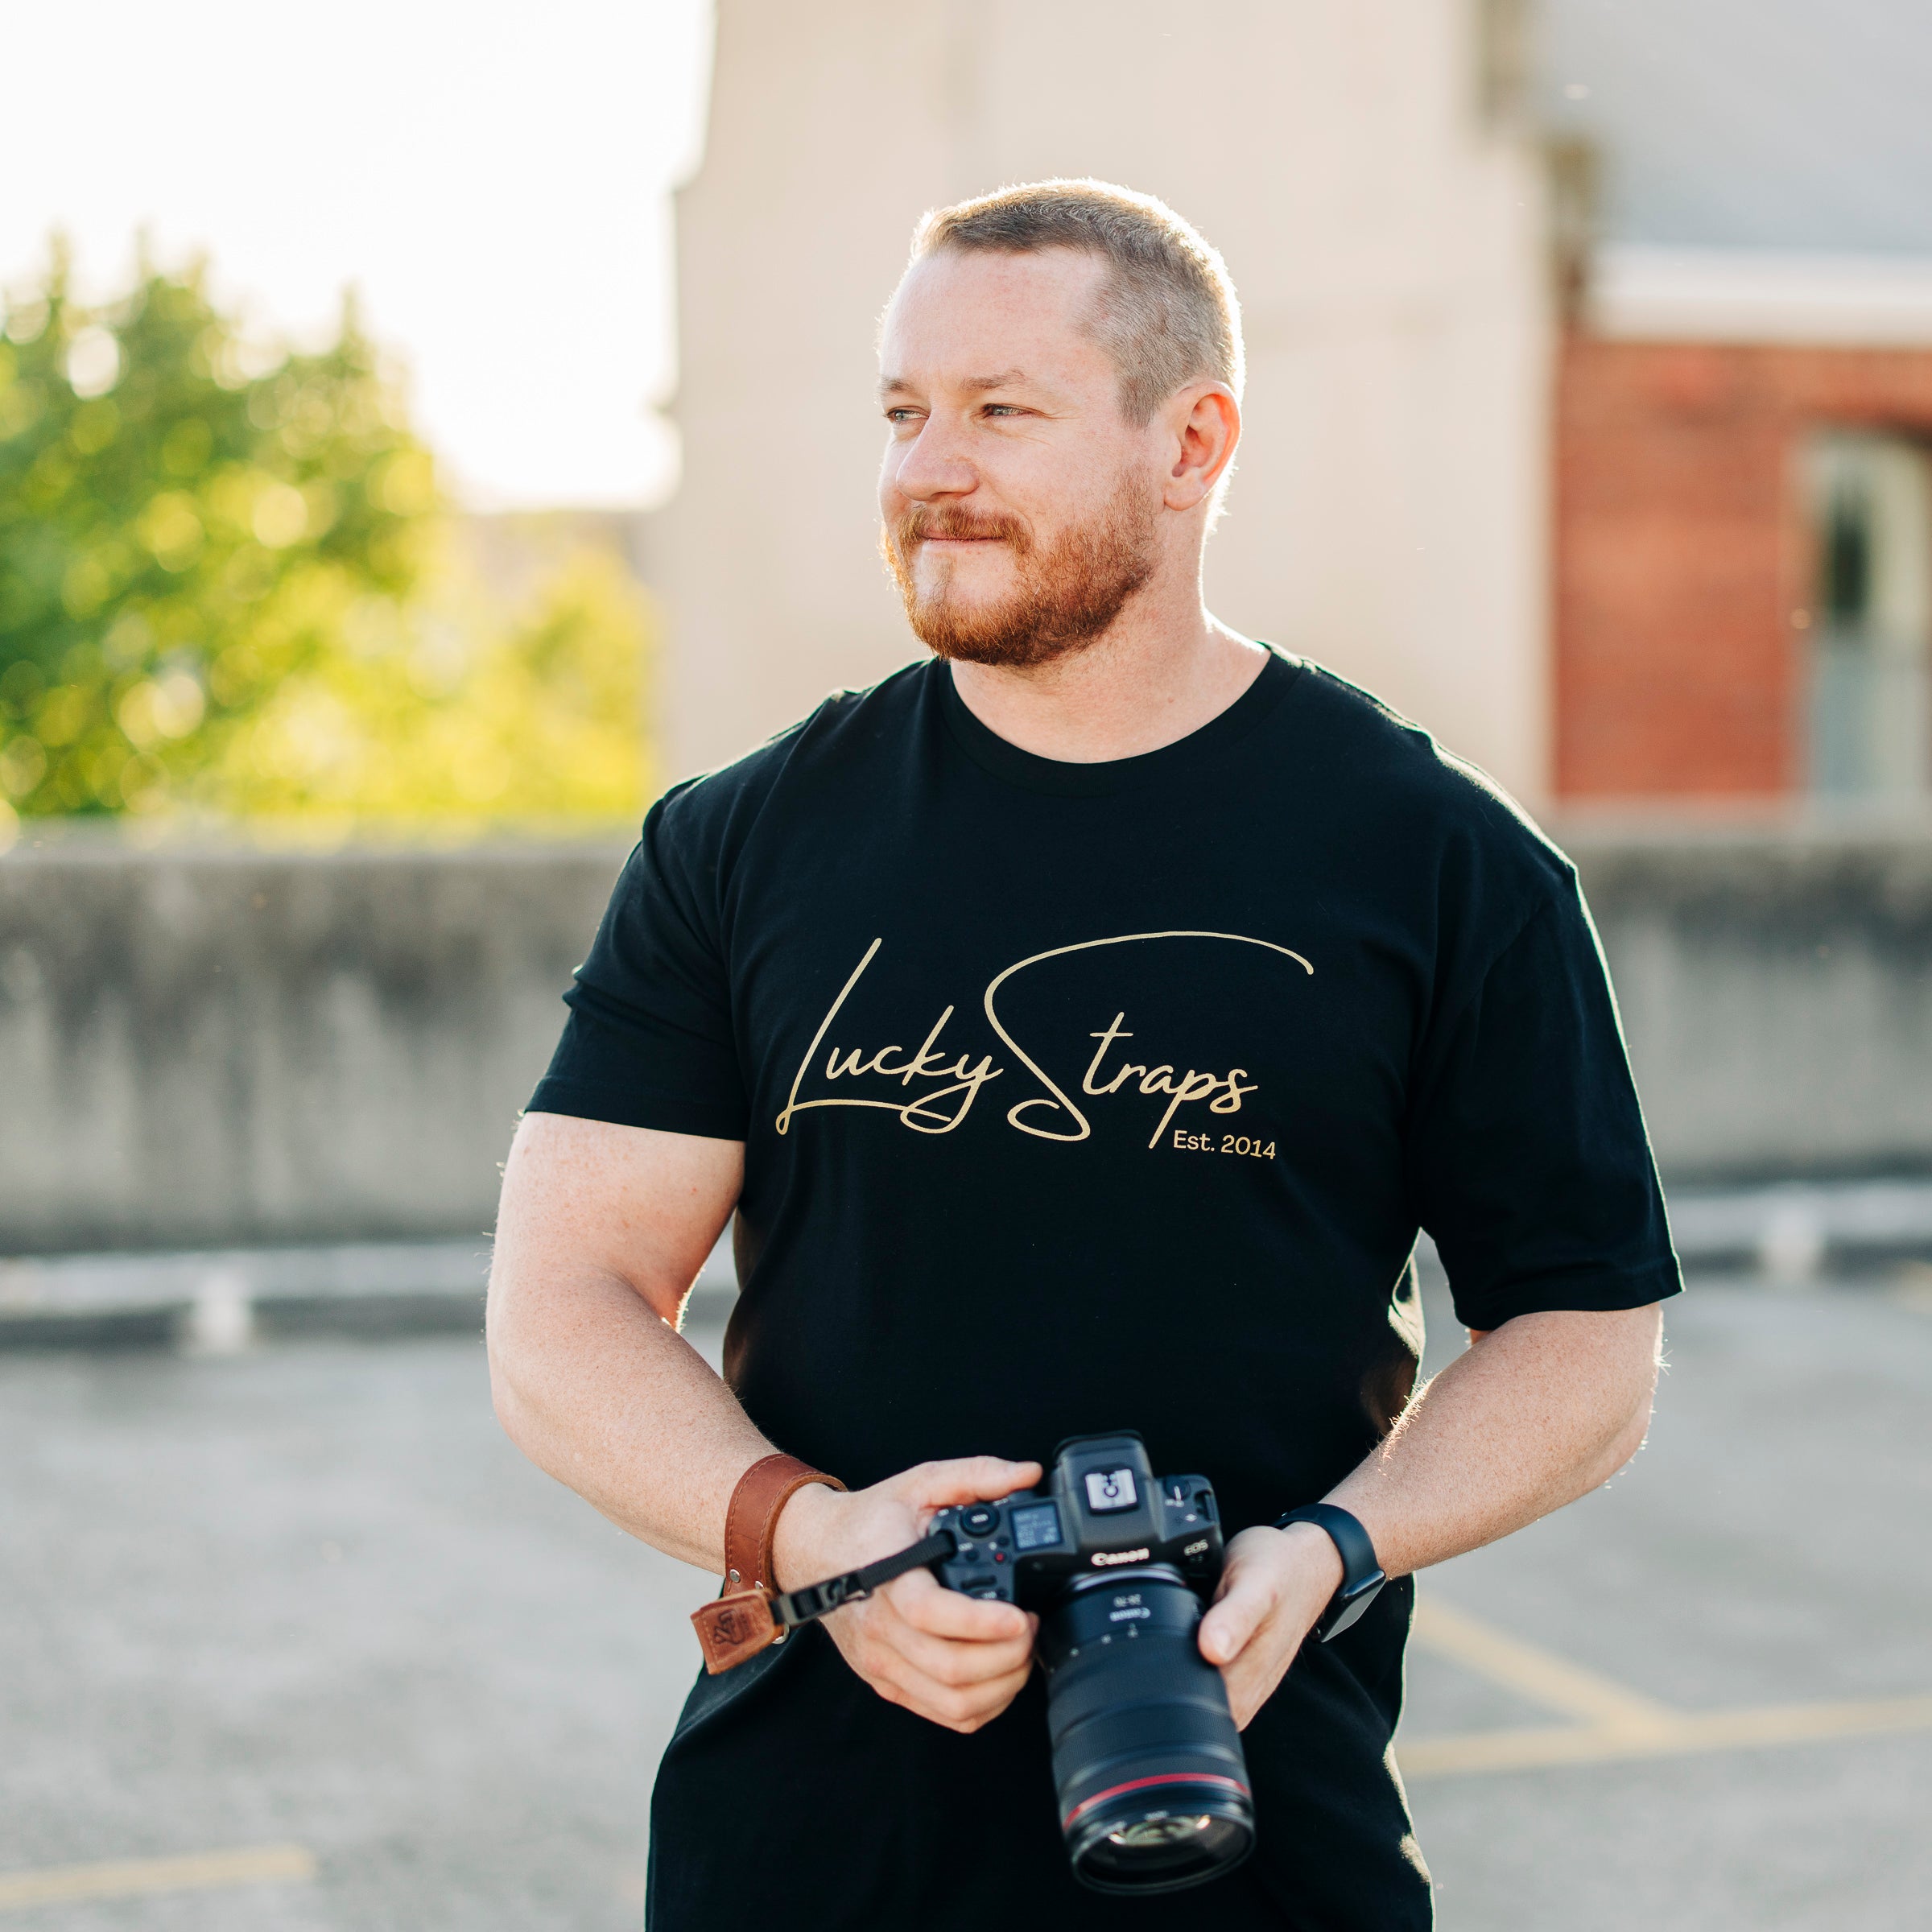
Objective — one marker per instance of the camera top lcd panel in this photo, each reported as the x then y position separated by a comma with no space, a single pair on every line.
1103,1509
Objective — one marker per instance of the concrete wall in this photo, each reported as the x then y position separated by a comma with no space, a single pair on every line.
230,1047
217,1046
1776,992
1381,210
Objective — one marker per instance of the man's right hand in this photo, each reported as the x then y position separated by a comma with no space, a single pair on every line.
955,1659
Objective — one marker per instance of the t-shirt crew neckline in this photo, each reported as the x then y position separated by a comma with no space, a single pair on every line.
1008,762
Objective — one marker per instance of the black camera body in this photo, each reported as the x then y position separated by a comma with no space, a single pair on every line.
1102,1511
1153,1784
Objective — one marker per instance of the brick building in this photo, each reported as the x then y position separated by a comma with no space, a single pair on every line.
1742,507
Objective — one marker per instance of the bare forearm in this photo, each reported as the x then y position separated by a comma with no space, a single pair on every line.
1535,1414
599,1391
601,1231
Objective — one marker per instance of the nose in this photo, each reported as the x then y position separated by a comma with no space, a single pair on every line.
931,464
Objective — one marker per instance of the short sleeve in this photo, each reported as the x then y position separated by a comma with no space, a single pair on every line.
650,1041
1527,1157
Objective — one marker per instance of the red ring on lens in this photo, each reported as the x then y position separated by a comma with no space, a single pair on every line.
1141,1784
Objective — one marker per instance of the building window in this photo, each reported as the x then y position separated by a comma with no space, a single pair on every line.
1871,656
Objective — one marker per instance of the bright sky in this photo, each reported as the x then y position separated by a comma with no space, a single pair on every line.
493,178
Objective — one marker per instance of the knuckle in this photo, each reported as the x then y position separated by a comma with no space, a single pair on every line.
936,1662
955,1670
960,1706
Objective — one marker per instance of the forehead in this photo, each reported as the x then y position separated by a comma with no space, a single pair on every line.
960,317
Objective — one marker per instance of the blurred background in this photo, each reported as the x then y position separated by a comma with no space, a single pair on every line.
423,440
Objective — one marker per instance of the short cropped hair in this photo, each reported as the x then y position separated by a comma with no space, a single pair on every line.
1167,313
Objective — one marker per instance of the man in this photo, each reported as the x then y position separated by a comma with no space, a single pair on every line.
1080,1024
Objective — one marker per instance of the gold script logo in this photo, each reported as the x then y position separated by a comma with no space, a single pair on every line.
940,1109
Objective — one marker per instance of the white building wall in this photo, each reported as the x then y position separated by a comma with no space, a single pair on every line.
1388,515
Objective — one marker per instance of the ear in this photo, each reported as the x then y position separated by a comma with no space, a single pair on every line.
1203,424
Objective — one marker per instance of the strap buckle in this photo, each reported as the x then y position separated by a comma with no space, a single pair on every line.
806,1605
742,1622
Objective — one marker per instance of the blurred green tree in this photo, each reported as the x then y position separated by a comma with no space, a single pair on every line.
229,581
180,519
445,710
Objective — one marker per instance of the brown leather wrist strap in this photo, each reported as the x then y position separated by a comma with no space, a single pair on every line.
739,1624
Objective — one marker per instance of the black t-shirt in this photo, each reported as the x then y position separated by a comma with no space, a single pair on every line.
1084,1097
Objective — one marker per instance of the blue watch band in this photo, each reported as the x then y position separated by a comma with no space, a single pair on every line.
1361,1573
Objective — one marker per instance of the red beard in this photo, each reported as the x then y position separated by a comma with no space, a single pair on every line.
1063,599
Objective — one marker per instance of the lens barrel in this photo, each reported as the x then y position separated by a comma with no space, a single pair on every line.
1153,1784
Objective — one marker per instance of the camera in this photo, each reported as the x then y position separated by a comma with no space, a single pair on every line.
1153,1785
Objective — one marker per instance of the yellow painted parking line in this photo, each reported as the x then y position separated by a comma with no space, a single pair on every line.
1477,1750
1538,1675
127,1877
1616,1723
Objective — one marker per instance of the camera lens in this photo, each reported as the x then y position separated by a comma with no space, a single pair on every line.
1153,1784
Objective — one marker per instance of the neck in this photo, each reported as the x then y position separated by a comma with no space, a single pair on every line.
1161,669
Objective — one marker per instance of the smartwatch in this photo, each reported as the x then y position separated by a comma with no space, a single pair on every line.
1361,1574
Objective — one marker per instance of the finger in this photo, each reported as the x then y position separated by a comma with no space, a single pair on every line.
966,1709
981,1706
959,1667
922,1682
926,1603
1229,1626
948,1660
970,1478
1252,1677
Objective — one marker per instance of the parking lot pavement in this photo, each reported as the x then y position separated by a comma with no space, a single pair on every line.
311,1596
305,1607
1768,1549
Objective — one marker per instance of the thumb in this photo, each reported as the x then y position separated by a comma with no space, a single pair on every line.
1236,1615
969,1479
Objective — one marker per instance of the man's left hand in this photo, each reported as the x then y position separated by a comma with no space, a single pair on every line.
1274,1584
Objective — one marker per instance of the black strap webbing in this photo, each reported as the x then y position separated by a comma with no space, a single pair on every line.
792,1608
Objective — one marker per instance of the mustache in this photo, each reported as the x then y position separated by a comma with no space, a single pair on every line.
948,521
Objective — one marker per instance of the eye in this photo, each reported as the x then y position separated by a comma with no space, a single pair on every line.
902,413
1004,409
